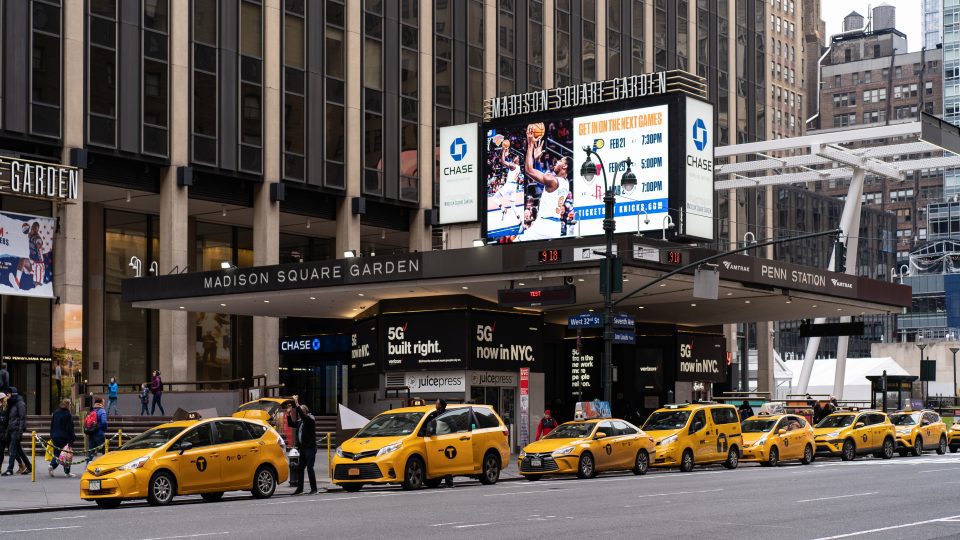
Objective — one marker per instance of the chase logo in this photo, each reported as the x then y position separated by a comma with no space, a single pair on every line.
458,149
700,134
315,344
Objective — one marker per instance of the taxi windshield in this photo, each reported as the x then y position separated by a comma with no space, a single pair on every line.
391,425
905,419
836,421
662,420
757,426
574,430
154,438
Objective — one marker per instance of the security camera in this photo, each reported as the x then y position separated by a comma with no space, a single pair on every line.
568,280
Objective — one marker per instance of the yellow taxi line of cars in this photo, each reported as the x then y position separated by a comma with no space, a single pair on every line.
420,446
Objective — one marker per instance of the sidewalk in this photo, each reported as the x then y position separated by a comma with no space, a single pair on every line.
20,494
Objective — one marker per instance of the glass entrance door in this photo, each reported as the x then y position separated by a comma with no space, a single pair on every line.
317,384
25,376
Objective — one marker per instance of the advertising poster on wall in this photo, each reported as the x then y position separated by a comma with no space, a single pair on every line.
529,169
640,136
459,168
213,346
26,255
701,358
506,342
424,341
698,220
67,338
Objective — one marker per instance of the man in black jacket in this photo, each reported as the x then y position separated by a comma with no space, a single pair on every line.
307,435
62,435
16,423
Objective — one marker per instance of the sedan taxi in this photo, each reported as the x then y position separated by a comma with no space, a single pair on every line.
206,457
954,437
416,447
918,431
771,439
852,433
587,447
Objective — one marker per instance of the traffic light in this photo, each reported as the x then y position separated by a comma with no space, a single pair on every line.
839,257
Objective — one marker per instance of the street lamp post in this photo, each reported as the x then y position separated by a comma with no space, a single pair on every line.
921,345
629,181
954,351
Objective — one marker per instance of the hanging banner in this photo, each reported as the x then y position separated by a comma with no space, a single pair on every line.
26,255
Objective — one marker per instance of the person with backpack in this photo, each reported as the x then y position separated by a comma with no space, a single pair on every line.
95,427
144,399
62,436
156,388
547,424
16,423
113,393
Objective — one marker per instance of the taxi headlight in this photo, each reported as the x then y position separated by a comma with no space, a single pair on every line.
669,440
903,432
566,450
389,448
339,452
833,434
135,464
523,454
761,441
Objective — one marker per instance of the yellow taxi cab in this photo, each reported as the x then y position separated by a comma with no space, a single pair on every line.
206,457
771,439
264,409
416,447
954,437
586,447
695,434
918,431
852,433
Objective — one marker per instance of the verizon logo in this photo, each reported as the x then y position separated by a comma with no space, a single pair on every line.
737,267
840,283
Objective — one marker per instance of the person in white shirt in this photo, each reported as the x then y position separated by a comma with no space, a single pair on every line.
554,194
507,193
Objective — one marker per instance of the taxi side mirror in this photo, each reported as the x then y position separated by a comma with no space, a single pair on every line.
599,435
925,423
184,446
859,425
781,431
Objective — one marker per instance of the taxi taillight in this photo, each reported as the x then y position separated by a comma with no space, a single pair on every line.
505,431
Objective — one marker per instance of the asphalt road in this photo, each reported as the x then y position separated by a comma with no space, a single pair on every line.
914,498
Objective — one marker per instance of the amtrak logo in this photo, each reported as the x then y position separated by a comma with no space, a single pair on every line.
733,266
458,149
700,134
840,283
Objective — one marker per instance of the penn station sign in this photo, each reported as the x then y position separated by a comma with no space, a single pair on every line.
787,275
38,180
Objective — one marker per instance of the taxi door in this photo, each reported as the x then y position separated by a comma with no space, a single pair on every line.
726,428
627,445
606,450
862,436
199,466
238,453
449,444
929,428
879,428
701,437
794,439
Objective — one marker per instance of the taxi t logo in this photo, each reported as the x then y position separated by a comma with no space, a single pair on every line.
450,452
864,437
608,449
201,464
722,443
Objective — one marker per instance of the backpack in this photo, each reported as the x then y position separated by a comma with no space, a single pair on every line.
91,425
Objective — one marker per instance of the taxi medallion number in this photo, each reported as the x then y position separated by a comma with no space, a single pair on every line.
94,485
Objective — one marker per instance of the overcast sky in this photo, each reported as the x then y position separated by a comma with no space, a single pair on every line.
909,16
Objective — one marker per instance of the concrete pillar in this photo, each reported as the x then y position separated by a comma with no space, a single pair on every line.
489,49
765,363
348,225
266,214
692,37
421,232
67,317
648,36
178,359
601,34
549,60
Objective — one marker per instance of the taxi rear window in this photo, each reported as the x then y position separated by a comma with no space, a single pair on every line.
724,415
836,421
485,418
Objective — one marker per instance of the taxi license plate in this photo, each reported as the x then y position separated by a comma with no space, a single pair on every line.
353,471
536,463
94,485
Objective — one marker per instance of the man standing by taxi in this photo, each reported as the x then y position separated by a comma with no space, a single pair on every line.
307,436
547,424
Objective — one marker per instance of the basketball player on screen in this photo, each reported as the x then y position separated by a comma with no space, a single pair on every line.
508,191
555,188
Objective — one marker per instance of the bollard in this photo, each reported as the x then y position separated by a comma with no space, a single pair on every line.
33,456
329,468
119,438
106,446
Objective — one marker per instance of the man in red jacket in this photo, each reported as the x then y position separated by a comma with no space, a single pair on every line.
546,425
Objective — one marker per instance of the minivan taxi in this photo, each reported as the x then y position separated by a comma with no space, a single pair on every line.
954,438
206,457
772,439
416,447
586,447
695,434
851,433
918,431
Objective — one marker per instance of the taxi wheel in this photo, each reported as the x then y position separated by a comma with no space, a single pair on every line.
774,459
918,446
733,458
108,504
586,467
807,455
686,461
886,452
161,489
212,497
849,451
413,474
641,463
264,483
351,487
491,469
942,447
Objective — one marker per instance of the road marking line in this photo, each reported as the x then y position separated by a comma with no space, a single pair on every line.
678,493
838,497
43,529
187,536
890,528
474,525
521,492
67,517
940,470
445,524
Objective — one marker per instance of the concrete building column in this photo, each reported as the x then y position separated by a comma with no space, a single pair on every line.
648,37
489,49
178,360
601,35
421,232
266,213
348,224
67,317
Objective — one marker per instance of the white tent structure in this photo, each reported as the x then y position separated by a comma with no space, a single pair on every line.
856,387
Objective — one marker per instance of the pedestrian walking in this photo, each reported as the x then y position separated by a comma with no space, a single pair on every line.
95,427
156,388
4,442
547,424
144,399
113,393
4,378
62,435
746,411
307,435
16,423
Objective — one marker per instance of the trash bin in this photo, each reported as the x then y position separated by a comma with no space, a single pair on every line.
293,459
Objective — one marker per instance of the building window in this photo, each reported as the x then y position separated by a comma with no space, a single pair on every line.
682,32
563,55
588,45
155,78
535,44
373,97
475,51
294,91
334,93
251,87
409,101
102,75
614,35
205,89
506,48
